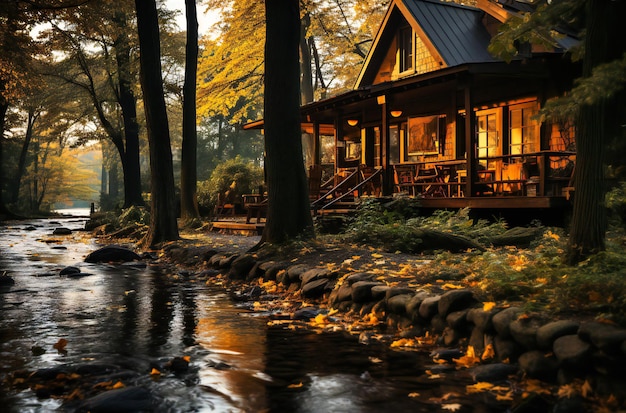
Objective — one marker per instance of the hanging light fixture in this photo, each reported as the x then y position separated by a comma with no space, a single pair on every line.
396,113
353,122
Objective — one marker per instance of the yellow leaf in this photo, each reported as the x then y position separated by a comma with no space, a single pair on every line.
505,397
453,407
403,342
567,391
489,352
118,385
187,358
414,394
102,385
295,386
448,286
155,372
376,255
488,306
478,387
586,389
469,359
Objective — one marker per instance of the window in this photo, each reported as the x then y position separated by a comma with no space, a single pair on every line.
353,150
425,135
523,129
394,144
405,49
488,125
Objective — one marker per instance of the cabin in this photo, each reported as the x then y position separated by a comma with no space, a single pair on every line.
434,115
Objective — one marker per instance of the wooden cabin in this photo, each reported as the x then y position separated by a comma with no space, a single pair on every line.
434,115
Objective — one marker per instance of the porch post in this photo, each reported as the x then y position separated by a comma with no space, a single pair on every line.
470,122
316,143
384,145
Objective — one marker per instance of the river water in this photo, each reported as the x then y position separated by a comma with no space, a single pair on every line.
139,316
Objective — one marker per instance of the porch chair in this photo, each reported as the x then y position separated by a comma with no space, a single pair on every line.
404,178
427,178
372,187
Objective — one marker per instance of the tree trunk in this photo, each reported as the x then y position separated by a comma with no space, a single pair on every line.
163,225
589,221
188,167
128,104
305,61
21,164
289,212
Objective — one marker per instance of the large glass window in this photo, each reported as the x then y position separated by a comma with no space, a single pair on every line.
523,129
405,44
425,135
488,132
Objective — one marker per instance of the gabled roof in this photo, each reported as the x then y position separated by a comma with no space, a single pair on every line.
453,32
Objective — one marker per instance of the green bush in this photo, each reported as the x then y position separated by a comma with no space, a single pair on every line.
616,202
243,175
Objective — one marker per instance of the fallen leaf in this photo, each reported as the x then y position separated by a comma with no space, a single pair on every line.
187,358
453,407
489,352
505,397
155,372
118,385
586,389
488,306
295,386
479,387
414,394
60,345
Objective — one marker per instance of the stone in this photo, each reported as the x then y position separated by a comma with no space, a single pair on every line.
524,331
6,280
379,292
447,354
537,365
493,372
454,300
295,271
344,293
227,261
126,400
306,313
397,303
241,266
547,334
606,337
477,340
315,288
429,306
270,269
362,291
570,350
61,231
506,349
457,319
481,318
450,336
360,276
413,305
313,274
437,324
393,291
112,253
503,319
215,259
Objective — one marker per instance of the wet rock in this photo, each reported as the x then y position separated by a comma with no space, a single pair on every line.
447,354
271,269
493,372
477,340
6,280
455,300
362,291
457,319
129,399
570,350
429,307
240,267
481,318
177,365
71,270
215,259
315,288
30,228
393,291
61,231
50,373
503,319
295,272
546,334
606,337
227,261
524,331
360,276
312,275
306,313
112,253
537,365
506,349
343,293
413,305
397,304
450,336
438,324
379,292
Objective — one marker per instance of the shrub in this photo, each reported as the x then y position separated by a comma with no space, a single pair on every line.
245,176
616,202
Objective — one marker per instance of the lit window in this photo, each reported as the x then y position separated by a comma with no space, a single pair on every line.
405,45
523,129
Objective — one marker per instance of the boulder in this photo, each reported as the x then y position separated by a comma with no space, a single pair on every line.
129,399
6,280
537,365
524,331
315,288
457,319
69,271
241,266
313,274
548,333
481,318
397,304
506,349
61,231
362,291
392,291
493,373
379,292
455,300
570,350
294,272
112,253
429,306
503,319
360,276
606,337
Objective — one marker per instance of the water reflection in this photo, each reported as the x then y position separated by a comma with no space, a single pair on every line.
140,318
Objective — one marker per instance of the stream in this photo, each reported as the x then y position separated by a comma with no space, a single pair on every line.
137,317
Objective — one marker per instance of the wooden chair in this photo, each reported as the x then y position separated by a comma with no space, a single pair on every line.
373,187
226,202
404,178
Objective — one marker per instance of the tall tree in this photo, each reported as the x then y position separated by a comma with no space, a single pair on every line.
289,212
604,59
188,171
163,225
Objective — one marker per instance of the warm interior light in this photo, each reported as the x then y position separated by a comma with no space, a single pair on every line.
396,113
353,122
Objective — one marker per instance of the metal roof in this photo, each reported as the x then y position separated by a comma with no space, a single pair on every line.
455,31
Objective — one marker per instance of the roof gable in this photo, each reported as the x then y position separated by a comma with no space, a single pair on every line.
453,33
